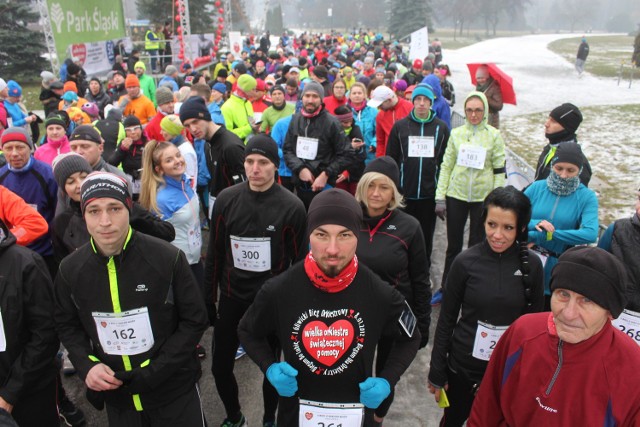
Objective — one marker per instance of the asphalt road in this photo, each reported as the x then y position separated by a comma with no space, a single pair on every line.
413,405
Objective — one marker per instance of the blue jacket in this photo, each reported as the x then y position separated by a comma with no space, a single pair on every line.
575,218
278,133
15,113
171,81
203,171
366,121
216,113
36,185
440,105
179,205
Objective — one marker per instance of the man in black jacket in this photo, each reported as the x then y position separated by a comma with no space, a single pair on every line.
328,313
315,148
257,232
130,313
561,126
224,150
28,342
417,143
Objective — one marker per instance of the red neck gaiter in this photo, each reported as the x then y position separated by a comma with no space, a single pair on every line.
309,115
330,284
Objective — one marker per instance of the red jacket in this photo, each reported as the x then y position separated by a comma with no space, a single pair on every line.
21,219
331,103
596,381
385,121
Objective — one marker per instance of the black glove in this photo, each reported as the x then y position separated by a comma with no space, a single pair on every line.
135,380
212,312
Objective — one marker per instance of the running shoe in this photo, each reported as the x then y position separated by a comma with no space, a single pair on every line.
70,415
67,366
240,352
228,423
436,299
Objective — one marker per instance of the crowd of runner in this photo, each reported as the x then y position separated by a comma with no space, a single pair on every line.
319,168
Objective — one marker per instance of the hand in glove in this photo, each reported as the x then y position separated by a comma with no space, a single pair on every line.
373,391
441,209
283,377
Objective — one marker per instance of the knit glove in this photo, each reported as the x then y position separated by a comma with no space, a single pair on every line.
373,391
441,209
283,377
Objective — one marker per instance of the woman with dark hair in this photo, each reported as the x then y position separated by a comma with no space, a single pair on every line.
129,153
391,243
348,179
489,286
448,92
337,97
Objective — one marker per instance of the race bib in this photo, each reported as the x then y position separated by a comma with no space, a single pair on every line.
319,414
3,339
251,253
125,334
629,323
544,257
307,148
471,156
421,146
257,117
194,239
33,206
487,337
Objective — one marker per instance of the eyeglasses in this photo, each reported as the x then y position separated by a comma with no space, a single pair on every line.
471,111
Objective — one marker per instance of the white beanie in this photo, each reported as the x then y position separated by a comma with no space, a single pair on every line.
3,84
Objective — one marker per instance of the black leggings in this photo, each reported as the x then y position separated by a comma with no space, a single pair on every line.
457,213
225,343
461,393
424,211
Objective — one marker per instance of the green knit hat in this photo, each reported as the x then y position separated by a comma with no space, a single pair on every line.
171,124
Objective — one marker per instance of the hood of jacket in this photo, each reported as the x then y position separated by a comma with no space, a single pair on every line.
6,238
480,95
434,81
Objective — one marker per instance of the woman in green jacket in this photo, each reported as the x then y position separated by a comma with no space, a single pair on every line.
474,164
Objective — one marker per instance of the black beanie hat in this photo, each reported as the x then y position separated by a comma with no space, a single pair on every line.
194,108
65,165
568,115
99,185
386,166
569,152
86,133
223,72
593,273
55,119
265,146
131,121
337,207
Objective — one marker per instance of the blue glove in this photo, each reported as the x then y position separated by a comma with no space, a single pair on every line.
373,391
283,377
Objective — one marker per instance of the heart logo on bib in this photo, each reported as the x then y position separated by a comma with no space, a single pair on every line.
327,344
235,245
103,324
484,334
308,415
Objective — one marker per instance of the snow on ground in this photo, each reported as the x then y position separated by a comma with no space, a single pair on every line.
544,80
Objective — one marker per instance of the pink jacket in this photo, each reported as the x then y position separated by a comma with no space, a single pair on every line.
47,152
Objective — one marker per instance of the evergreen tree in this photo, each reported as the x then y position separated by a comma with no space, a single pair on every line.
274,20
408,16
158,11
22,48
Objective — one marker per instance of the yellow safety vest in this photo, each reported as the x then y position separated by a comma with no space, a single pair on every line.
151,44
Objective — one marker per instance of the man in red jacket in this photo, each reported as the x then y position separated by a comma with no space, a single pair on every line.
570,367
392,109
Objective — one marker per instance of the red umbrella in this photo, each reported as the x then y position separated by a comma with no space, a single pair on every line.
505,81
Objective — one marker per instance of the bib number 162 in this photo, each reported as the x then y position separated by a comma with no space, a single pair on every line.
124,334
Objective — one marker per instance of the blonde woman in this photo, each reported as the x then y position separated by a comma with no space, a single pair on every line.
167,193
391,243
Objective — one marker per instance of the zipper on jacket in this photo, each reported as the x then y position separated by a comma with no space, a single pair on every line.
557,372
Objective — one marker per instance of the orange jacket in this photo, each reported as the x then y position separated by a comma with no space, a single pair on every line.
23,221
